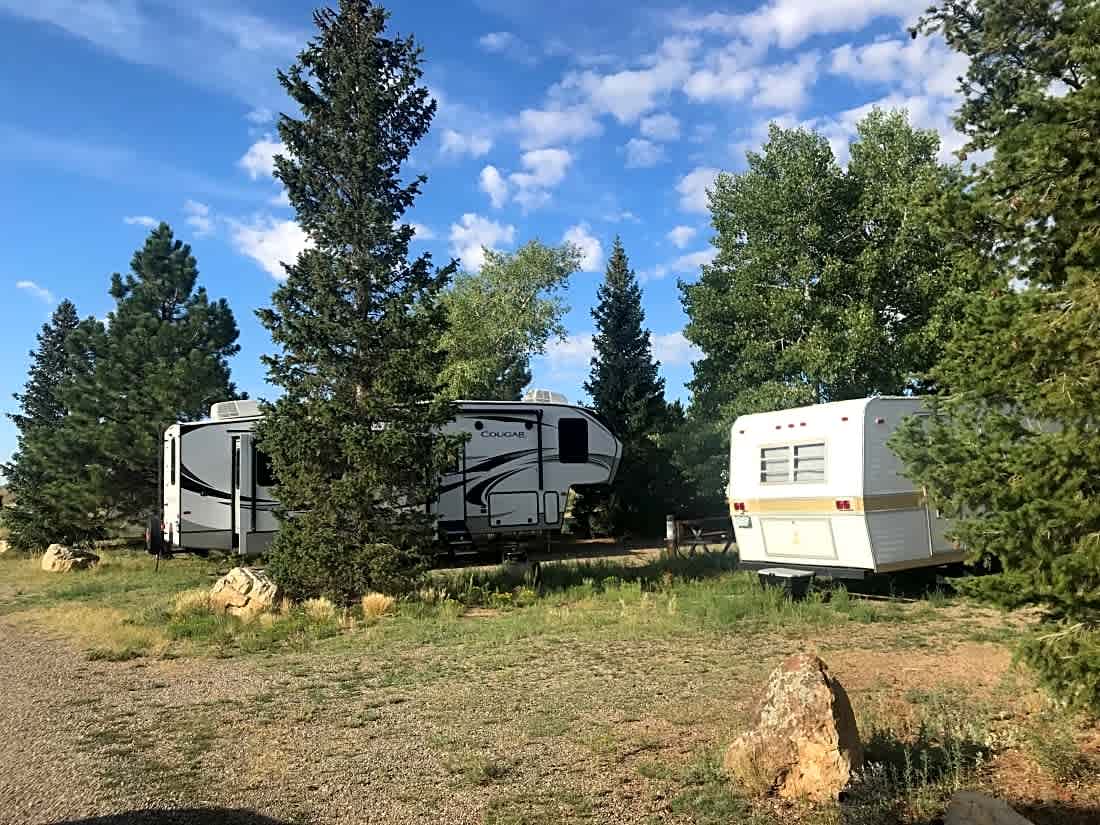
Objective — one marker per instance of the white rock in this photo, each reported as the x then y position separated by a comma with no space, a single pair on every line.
805,743
244,592
61,559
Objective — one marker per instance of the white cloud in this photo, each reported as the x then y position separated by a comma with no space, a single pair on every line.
493,184
642,153
570,353
198,218
270,242
630,93
660,127
692,261
470,237
458,144
545,169
508,45
545,127
497,41
282,199
693,188
423,233
39,292
727,75
141,220
260,115
785,86
672,349
684,265
590,247
681,236
789,22
924,64
259,160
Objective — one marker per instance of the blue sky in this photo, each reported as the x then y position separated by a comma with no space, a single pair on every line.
567,120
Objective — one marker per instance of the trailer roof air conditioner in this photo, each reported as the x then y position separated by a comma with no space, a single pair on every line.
545,397
225,410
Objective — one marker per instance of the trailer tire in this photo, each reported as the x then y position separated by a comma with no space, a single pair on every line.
154,537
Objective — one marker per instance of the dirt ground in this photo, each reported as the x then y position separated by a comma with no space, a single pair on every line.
590,709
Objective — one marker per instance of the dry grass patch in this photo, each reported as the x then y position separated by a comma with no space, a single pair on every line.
378,604
319,610
196,600
105,632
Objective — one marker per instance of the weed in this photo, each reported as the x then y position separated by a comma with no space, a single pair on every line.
1051,743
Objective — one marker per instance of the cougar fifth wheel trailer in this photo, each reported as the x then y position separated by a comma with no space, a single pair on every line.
818,488
517,465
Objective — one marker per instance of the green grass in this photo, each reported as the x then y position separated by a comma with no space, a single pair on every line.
125,607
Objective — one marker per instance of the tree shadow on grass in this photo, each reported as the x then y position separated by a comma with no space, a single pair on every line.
560,576
180,816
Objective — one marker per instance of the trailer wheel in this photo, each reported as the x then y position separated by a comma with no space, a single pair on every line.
154,537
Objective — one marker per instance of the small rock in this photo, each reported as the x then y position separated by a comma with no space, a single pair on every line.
61,559
970,808
3,546
805,743
244,592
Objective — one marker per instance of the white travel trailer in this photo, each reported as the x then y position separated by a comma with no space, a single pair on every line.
818,488
517,465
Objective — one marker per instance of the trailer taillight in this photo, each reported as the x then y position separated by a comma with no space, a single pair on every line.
843,504
739,506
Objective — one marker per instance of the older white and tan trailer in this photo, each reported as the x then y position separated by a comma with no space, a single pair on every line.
818,488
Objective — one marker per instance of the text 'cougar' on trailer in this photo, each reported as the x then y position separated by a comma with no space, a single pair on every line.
514,473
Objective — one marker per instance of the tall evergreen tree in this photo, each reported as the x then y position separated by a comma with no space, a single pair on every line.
161,357
39,466
627,391
354,438
1012,450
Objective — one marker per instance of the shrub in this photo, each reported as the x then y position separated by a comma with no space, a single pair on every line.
377,604
190,602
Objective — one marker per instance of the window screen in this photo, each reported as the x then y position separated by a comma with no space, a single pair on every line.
172,461
775,465
264,475
809,462
573,441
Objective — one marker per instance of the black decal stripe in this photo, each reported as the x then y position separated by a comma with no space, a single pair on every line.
497,460
477,493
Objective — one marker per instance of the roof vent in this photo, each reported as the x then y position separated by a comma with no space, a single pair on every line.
225,410
544,397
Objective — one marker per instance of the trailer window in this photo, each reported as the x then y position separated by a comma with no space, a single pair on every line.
775,465
172,461
809,462
573,441
265,477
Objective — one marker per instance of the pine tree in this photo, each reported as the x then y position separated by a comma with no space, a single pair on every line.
627,391
161,357
353,440
1012,450
40,466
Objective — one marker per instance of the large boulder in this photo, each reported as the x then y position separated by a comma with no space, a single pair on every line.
970,808
61,559
805,743
244,592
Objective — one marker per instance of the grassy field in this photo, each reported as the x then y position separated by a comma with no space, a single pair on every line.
606,695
